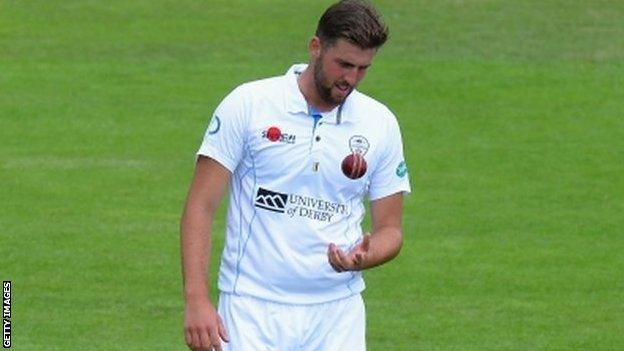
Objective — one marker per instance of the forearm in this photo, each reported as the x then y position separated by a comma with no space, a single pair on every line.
195,237
385,244
207,189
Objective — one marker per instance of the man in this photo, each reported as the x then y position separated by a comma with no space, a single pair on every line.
299,152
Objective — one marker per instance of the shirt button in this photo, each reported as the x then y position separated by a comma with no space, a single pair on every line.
318,138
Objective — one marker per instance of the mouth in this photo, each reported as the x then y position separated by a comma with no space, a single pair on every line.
344,88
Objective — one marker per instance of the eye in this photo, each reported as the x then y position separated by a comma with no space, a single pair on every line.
345,64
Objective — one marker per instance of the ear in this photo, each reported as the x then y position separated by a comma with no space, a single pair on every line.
314,47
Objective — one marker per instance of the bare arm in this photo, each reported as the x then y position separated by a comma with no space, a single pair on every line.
387,236
381,246
203,327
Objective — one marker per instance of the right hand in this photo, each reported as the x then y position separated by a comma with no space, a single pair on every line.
203,328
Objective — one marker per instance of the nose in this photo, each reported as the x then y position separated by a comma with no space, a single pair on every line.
351,76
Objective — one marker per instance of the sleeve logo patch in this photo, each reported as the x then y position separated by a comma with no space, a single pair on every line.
214,126
401,170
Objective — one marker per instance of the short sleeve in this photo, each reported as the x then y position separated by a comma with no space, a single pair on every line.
224,140
390,174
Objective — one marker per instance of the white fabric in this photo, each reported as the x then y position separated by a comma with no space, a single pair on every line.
258,325
289,197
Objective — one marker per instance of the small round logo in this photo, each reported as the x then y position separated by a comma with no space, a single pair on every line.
273,134
214,125
401,170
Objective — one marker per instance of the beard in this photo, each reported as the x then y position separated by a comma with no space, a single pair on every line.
324,88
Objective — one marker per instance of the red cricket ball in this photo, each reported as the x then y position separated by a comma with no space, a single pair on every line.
354,166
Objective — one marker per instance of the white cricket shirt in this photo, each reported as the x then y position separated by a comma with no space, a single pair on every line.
288,196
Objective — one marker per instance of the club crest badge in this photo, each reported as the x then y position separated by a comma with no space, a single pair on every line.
354,165
359,145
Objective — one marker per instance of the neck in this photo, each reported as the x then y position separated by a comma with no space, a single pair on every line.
307,88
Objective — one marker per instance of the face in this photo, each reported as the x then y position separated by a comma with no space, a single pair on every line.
338,68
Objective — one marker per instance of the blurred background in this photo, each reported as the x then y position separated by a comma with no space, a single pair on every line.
512,119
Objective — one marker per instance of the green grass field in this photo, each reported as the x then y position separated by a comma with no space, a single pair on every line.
513,118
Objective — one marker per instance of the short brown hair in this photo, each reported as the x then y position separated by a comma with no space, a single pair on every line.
356,21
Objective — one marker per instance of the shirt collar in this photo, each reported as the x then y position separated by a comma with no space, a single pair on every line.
296,102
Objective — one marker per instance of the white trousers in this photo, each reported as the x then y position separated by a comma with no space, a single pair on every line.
259,325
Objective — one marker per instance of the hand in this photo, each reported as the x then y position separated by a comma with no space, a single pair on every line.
203,328
353,260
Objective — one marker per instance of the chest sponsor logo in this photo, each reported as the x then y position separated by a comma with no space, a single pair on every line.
294,205
274,134
271,200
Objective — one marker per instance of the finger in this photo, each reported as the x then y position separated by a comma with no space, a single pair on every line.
188,337
330,248
199,342
331,253
337,259
223,332
366,243
332,257
336,268
195,342
342,259
359,259
215,341
346,262
333,261
204,340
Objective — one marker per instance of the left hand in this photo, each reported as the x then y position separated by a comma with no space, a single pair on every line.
351,261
